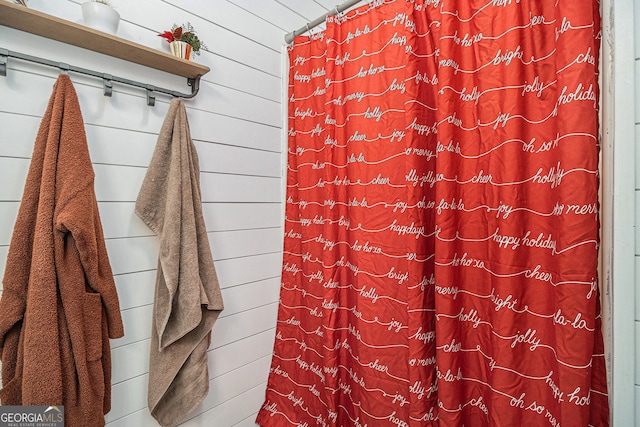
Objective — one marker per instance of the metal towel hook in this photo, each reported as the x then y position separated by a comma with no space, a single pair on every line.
64,68
107,84
151,96
4,57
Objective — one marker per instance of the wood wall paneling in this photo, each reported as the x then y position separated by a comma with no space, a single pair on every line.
236,125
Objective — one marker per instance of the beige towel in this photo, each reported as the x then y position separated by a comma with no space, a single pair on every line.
187,298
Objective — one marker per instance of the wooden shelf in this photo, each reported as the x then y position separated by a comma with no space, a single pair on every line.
42,24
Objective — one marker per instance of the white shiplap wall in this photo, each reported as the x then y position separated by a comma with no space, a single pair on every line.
236,123
631,49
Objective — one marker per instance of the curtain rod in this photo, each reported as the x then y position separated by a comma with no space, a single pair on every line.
107,79
288,38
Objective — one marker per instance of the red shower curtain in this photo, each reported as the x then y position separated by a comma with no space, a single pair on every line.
441,235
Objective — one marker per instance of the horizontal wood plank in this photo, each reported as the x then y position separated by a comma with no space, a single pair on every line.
232,411
236,125
222,361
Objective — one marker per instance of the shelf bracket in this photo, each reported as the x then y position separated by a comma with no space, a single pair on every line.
195,85
4,57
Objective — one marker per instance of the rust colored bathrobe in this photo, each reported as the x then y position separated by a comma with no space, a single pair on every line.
59,305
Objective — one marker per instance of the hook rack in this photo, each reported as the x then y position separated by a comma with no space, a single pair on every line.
107,79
